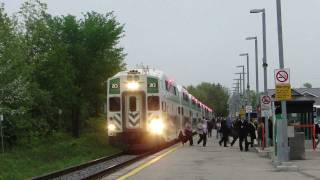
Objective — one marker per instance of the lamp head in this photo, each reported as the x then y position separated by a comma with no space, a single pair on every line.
251,38
257,10
243,54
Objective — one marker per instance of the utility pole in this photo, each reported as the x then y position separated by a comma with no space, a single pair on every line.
282,144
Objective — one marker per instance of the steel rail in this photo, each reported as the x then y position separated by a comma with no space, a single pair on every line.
106,171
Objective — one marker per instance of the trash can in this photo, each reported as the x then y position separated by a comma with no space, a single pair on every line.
297,146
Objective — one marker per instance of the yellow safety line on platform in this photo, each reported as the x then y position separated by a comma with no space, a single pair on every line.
144,165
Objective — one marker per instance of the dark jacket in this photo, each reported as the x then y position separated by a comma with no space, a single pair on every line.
243,128
252,130
224,128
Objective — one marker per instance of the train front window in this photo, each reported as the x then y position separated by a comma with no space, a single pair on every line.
153,103
114,104
133,103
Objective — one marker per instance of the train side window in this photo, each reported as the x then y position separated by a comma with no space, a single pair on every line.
133,103
153,103
114,103
178,110
181,110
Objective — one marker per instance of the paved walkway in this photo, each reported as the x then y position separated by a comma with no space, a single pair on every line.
211,162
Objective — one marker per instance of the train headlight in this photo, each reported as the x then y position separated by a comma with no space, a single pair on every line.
133,86
156,126
111,127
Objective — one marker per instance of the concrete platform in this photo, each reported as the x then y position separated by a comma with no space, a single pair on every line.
211,162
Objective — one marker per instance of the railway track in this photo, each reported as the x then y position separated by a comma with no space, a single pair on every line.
98,168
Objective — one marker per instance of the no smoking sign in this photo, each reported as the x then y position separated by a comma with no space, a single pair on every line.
282,76
265,102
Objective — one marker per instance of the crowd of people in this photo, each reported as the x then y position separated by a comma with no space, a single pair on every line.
249,133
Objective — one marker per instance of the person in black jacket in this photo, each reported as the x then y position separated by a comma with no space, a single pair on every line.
210,127
224,131
243,129
234,131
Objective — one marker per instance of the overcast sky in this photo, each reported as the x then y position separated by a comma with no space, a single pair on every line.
200,40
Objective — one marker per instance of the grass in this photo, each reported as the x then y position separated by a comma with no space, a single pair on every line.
54,153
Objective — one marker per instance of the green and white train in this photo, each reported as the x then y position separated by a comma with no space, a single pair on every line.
146,108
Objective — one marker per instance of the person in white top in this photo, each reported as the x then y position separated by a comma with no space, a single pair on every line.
202,131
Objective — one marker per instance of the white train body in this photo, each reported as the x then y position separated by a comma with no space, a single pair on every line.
146,102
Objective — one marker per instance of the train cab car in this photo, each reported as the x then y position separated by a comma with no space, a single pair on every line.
145,108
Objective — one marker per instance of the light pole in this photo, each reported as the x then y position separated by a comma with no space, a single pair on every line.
237,86
282,144
240,82
243,79
248,82
264,65
256,57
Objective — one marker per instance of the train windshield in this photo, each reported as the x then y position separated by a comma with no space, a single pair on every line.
153,103
114,104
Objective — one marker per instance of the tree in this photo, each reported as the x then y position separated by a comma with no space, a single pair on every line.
214,95
307,85
48,63
15,97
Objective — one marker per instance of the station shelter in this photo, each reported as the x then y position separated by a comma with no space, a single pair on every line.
299,113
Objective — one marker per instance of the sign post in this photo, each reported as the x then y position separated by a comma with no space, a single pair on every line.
1,133
265,102
283,93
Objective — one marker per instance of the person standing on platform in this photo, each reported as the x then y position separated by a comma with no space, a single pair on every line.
210,127
243,133
224,131
218,126
202,131
234,132
260,134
